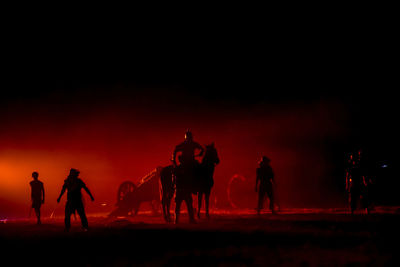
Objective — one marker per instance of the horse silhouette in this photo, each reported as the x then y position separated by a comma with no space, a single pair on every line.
202,183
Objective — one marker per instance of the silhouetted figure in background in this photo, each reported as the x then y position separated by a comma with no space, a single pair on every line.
185,173
264,184
37,195
357,182
73,185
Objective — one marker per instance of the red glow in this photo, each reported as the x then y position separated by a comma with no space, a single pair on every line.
111,145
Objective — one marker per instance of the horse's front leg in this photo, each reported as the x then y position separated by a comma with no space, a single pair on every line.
199,200
169,199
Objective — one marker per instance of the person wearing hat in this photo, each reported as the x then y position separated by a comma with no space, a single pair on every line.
73,185
264,184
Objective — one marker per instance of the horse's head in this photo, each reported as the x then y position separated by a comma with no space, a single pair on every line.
211,154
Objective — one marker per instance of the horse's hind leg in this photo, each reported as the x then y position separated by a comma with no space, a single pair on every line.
199,200
164,208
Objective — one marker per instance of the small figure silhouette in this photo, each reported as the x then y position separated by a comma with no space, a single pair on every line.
264,184
357,182
74,199
37,195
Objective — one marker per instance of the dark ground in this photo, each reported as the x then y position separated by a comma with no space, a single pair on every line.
327,238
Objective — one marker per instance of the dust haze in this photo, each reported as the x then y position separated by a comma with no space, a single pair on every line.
121,133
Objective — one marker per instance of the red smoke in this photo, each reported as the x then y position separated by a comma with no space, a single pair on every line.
115,140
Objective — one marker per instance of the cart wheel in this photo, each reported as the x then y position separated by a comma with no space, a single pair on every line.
124,189
234,184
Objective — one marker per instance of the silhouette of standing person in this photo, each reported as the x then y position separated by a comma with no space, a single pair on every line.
73,185
264,184
185,173
357,172
37,195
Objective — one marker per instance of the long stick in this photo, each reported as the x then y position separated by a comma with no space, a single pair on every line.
52,214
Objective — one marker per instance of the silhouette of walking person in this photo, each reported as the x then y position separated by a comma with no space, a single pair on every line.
37,195
264,184
73,185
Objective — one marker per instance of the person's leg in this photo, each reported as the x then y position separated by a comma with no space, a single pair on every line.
81,212
178,202
365,201
271,199
67,219
261,195
37,212
164,204
207,203
189,204
354,199
199,200
169,199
